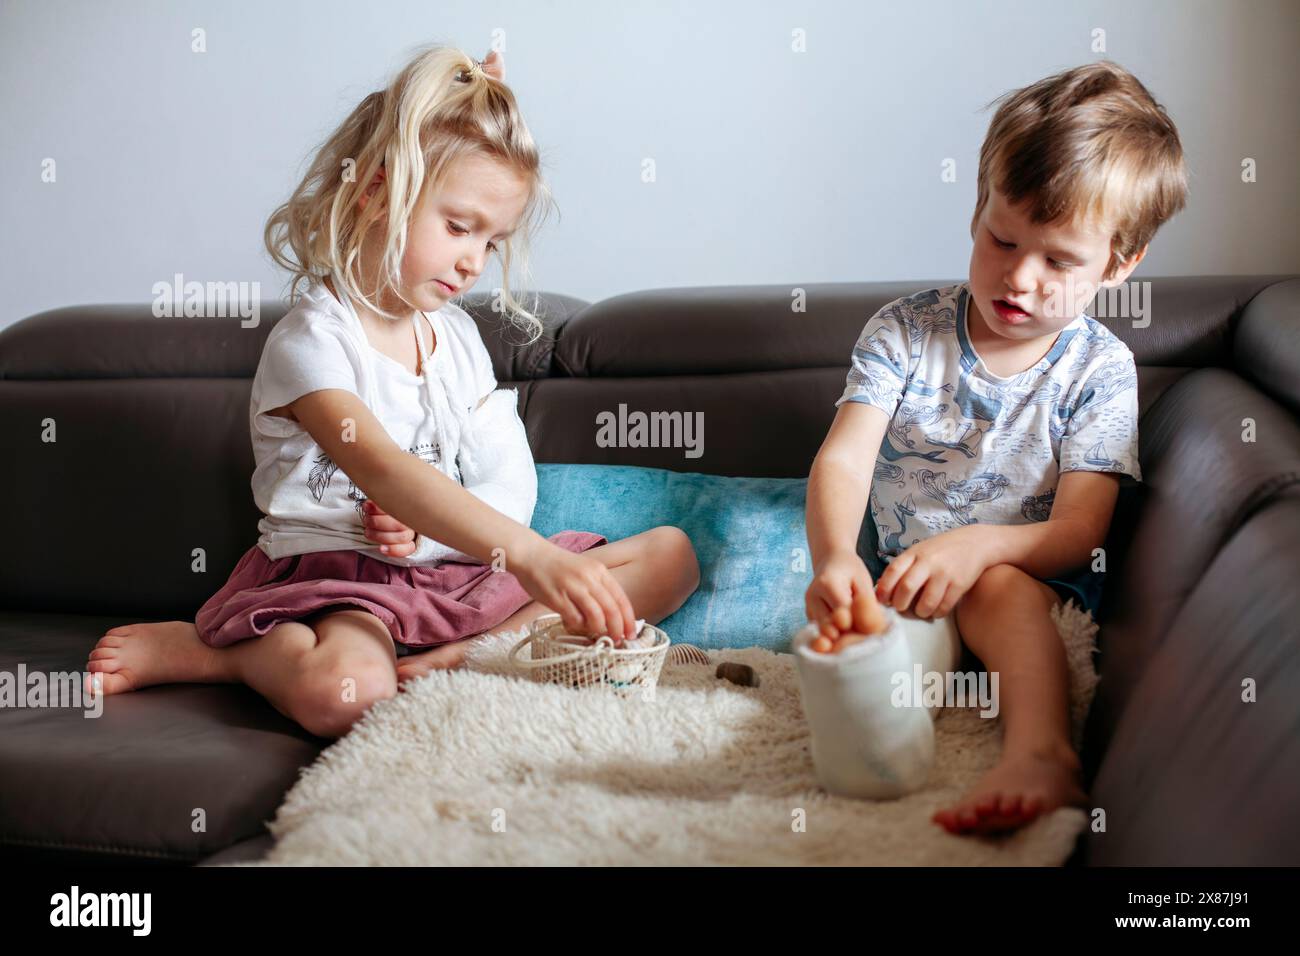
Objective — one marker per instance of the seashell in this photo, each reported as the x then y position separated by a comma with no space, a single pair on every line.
686,654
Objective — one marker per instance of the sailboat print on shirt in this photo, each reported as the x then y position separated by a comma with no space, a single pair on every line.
1097,456
902,511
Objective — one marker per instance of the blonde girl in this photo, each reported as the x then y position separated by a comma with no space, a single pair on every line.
395,480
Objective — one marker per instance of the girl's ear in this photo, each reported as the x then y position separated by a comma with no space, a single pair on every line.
374,184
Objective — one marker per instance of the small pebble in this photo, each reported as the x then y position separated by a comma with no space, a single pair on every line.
741,674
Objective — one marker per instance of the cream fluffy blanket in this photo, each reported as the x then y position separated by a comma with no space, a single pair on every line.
478,767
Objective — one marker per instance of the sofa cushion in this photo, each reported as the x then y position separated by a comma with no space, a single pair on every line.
126,784
748,535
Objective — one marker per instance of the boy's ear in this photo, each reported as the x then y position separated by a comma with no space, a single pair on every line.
1123,272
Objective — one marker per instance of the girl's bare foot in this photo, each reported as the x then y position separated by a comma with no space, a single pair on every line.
1015,792
442,657
136,655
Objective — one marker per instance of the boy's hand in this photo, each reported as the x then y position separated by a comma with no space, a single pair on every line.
395,539
935,572
841,597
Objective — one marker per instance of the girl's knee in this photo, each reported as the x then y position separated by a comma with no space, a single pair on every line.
290,637
334,696
673,547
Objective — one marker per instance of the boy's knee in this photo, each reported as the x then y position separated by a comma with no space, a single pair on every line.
993,586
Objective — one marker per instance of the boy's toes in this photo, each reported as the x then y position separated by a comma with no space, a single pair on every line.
1012,812
987,805
959,819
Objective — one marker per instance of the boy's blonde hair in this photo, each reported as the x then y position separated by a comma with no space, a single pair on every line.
1089,144
440,107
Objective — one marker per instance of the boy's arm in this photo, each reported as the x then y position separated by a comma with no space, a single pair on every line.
1081,513
839,484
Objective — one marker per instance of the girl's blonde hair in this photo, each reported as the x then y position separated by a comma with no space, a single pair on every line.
440,107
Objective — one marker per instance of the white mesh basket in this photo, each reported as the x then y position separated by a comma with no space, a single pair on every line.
562,658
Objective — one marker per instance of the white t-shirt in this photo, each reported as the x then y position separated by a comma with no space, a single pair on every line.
308,503
966,446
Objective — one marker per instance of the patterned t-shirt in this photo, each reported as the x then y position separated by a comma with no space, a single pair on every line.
966,446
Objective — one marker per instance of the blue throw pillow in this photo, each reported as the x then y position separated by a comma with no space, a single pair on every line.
748,534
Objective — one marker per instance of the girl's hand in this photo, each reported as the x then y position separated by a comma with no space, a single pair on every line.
395,539
841,598
935,572
581,589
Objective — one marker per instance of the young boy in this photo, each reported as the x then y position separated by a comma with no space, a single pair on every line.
986,424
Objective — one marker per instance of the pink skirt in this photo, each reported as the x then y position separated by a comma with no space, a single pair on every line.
422,606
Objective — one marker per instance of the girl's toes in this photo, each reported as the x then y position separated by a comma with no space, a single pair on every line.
100,684
108,665
102,653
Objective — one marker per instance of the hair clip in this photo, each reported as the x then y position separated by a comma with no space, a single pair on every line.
464,75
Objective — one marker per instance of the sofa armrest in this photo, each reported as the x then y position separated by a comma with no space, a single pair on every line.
1266,347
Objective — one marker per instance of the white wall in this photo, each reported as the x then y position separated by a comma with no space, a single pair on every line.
772,165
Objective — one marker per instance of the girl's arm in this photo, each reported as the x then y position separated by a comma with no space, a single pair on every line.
578,587
496,467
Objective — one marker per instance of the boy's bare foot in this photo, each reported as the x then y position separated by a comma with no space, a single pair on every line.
442,657
1015,792
167,652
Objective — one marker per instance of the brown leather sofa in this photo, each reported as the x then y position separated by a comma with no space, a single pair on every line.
152,460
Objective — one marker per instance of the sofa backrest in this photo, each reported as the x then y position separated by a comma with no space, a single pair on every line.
151,459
